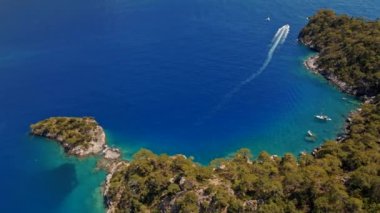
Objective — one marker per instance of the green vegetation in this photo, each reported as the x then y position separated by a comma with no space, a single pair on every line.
341,176
348,48
70,131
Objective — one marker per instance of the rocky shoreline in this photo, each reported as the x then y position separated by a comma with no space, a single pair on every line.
311,64
112,169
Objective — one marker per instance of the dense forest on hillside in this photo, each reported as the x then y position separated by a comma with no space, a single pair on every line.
341,176
348,48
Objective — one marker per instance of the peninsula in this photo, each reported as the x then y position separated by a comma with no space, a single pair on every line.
348,51
78,136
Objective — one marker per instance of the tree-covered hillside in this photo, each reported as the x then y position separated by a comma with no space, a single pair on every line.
340,177
348,47
78,136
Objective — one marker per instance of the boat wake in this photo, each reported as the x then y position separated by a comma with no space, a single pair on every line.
278,39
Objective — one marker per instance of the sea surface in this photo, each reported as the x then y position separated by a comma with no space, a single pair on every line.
173,76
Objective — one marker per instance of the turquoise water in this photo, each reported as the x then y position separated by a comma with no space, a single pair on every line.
154,74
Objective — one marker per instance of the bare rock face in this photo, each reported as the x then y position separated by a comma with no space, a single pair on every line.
94,147
78,136
111,153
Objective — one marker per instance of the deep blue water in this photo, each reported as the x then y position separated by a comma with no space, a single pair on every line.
152,73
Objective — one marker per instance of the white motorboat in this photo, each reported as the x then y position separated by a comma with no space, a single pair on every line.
323,117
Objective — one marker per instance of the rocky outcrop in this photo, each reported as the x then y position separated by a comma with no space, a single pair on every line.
111,153
95,146
79,136
312,64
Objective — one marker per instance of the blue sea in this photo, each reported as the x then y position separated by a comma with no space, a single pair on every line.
156,74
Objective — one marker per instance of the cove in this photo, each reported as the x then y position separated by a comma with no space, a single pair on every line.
151,73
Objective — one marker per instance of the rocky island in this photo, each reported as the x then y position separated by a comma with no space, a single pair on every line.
78,136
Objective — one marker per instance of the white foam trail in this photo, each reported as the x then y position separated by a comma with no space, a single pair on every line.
278,39
277,34
285,34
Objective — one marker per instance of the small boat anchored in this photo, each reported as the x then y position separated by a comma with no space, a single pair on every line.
310,136
268,19
323,117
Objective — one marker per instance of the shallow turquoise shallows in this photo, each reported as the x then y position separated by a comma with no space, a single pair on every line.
198,77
